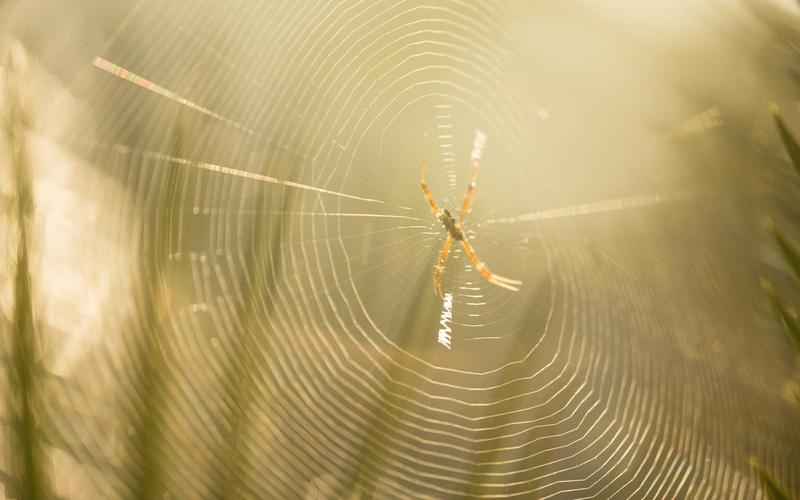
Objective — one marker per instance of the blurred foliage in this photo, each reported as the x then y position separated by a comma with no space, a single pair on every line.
26,454
147,457
771,487
787,316
148,374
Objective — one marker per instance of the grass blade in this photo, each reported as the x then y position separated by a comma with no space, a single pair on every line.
788,140
789,320
788,250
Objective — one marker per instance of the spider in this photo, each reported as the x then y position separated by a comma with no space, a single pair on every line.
455,229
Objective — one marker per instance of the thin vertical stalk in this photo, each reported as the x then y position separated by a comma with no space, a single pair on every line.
364,474
145,471
26,445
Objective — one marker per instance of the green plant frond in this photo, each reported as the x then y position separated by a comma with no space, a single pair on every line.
789,320
768,483
788,140
789,251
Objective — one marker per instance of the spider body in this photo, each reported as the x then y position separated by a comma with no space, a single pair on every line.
453,227
455,230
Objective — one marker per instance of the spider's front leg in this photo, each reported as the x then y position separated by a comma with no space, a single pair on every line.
441,262
435,210
469,197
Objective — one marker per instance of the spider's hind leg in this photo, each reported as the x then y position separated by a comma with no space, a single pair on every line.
483,269
438,269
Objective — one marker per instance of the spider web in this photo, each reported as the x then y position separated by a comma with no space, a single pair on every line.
291,136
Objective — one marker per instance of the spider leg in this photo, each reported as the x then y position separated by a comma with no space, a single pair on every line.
469,196
438,269
489,276
427,192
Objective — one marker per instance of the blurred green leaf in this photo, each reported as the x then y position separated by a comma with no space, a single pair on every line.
788,250
789,320
788,140
771,487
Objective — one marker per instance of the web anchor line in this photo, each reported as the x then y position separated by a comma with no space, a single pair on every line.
612,205
120,72
235,172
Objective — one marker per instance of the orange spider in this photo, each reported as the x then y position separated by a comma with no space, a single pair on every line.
455,230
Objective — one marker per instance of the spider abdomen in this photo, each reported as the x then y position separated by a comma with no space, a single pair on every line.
451,225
